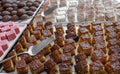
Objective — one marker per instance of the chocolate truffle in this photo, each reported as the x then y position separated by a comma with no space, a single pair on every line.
14,5
29,3
14,18
21,4
6,18
9,9
14,12
33,8
1,9
36,4
26,8
24,16
21,11
7,5
30,13
5,13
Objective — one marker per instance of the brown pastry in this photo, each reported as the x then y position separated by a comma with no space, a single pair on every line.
112,67
85,25
85,47
18,48
97,28
80,57
5,13
21,67
82,31
113,49
67,58
100,45
114,57
55,55
59,33
32,40
46,33
97,68
98,39
55,47
24,16
59,26
30,13
21,12
60,41
48,23
23,41
26,34
50,28
112,42
50,67
98,33
39,28
8,66
111,35
86,37
14,18
37,34
99,55
110,29
29,27
69,49
108,23
46,50
36,67
40,24
6,18
65,68
33,8
70,41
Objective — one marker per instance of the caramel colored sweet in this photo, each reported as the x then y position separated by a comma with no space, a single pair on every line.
46,33
26,34
21,67
86,37
113,67
48,23
60,41
80,57
85,47
8,66
82,31
96,28
113,49
110,29
23,41
59,33
55,47
46,50
36,67
59,26
18,48
50,28
37,34
100,45
98,39
65,68
70,41
32,40
85,25
114,57
111,35
98,33
99,55
55,55
97,68
112,42
14,18
50,67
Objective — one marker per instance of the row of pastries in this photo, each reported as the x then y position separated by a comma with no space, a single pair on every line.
86,48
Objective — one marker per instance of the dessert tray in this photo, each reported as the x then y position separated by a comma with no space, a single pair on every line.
87,48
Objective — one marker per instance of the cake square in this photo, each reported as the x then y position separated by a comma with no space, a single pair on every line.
1,51
3,36
86,37
32,40
80,57
5,29
16,29
37,34
113,49
4,44
11,35
18,48
70,41
114,57
82,31
23,41
46,33
55,47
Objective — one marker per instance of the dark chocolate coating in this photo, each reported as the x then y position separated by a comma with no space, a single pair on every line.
14,18
14,12
6,5
30,13
6,18
1,18
21,4
9,9
24,16
33,8
5,13
21,12
29,4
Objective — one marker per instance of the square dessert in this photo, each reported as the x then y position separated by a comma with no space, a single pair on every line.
98,33
46,33
82,31
50,28
1,51
117,28
55,47
98,39
113,49
99,55
70,41
59,26
67,58
71,25
4,44
85,25
96,23
97,68
60,41
69,49
65,68
26,34
40,24
5,29
11,35
18,48
113,67
111,35
110,29
37,34
23,41
108,23
97,28
112,42
85,47
100,45
32,40
86,37
59,33
8,66
80,57
16,29
3,36
114,57
36,67
81,67
48,23
50,67
29,27
46,50
21,67
55,55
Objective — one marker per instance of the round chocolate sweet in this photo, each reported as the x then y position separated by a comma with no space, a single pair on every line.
6,18
21,4
21,11
26,8
14,18
36,4
29,4
6,5
33,8
30,13
1,9
24,16
9,9
0,18
38,1
16,8
5,13
14,5
14,12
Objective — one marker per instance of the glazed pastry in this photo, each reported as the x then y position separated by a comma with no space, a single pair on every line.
67,58
109,29
82,31
60,41
39,28
26,34
21,67
8,66
114,57
85,25
99,55
112,42
97,68
50,67
59,27
59,33
65,68
36,67
111,35
55,47
48,23
100,45
86,37
37,34
85,47
98,39
97,28
113,67
18,48
46,33
50,28
80,57
113,49
23,41
98,33
70,41
32,40
46,50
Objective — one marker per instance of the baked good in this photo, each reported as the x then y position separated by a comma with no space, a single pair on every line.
97,68
98,33
5,13
50,67
46,50
8,66
85,47
98,39
109,29
50,28
59,26
29,27
113,67
40,24
23,41
65,68
32,40
82,31
59,33
67,58
69,49
55,55
33,8
12,53
46,33
21,67
39,57
111,35
4,45
18,48
14,18
55,47
86,37
6,18
111,42
39,28
99,55
114,57
21,11
9,9
26,57
36,67
16,29
85,25
60,41
30,13
70,41
81,67
48,23
37,34
100,45
24,17
80,57
113,49
108,23
97,28
26,34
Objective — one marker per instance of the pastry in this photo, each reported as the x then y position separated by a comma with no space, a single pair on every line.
80,57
